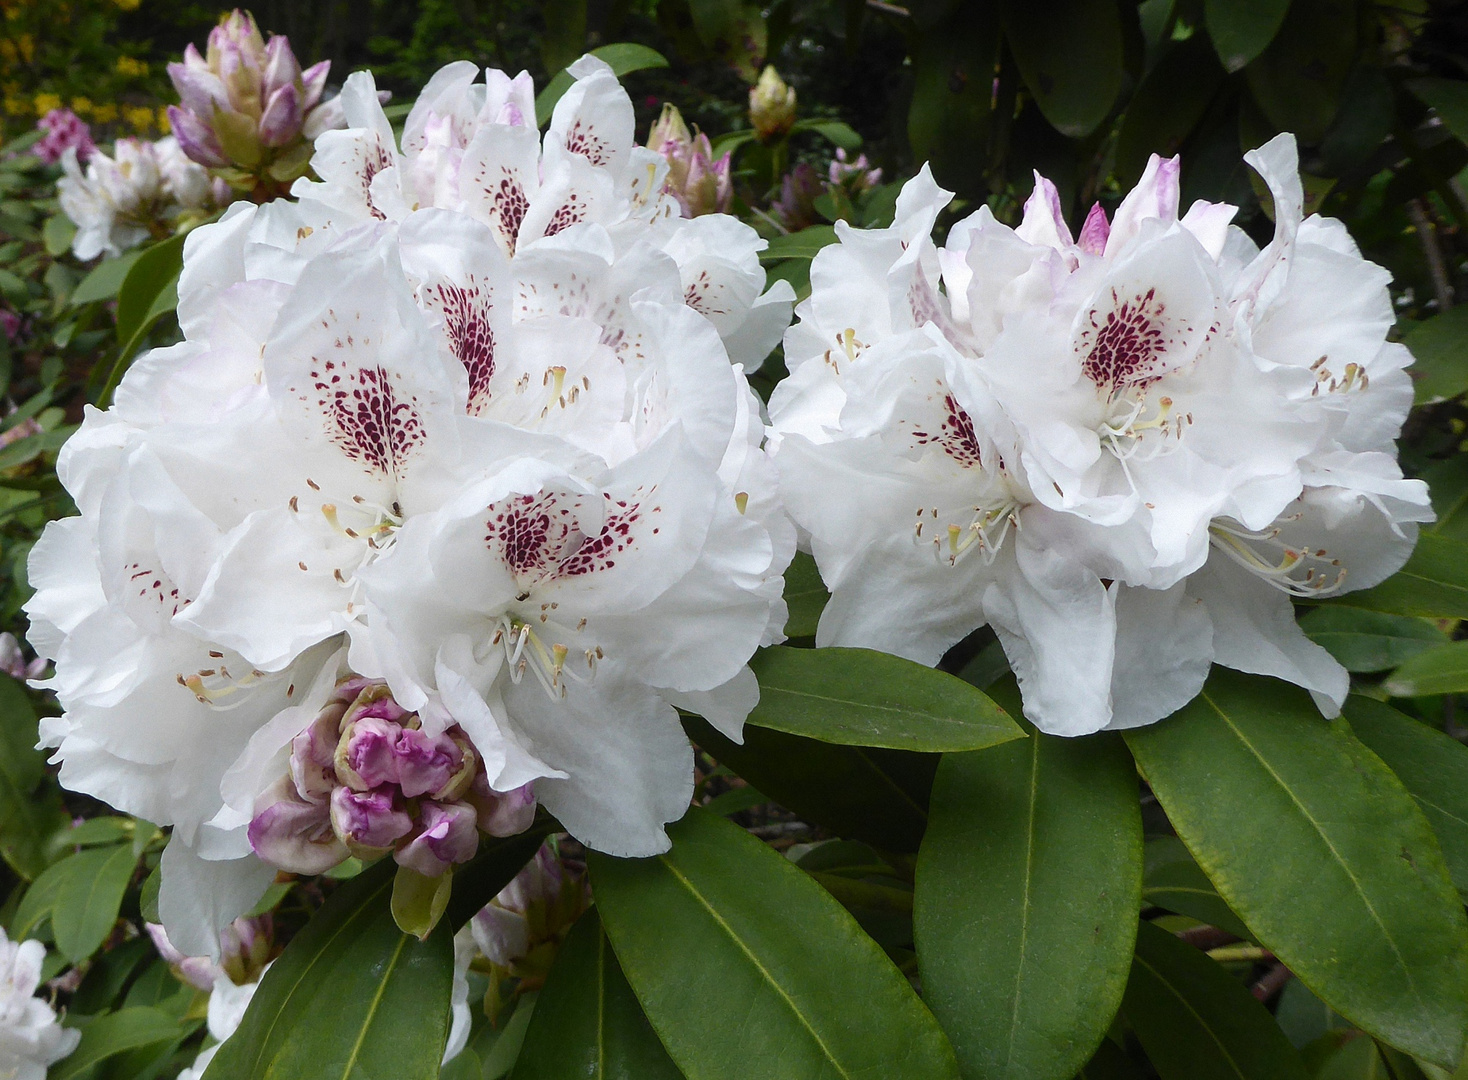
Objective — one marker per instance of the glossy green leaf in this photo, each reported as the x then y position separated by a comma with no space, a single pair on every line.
624,57
1031,873
1070,54
1434,583
351,998
1196,1021
587,1021
419,901
1297,80
27,817
1449,97
565,32
104,279
1439,670
1366,641
480,880
1323,854
1172,879
805,593
953,66
860,697
747,968
1242,29
155,271
87,904
113,1034
57,233
1167,106
837,132
1109,1062
1432,766
1440,356
865,793
505,1051
800,245
1447,482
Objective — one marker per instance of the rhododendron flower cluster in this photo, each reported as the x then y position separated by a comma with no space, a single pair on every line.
64,130
122,198
1126,451
696,179
31,1038
422,510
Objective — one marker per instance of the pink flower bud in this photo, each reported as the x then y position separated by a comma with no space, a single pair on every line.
245,946
501,813
195,138
426,764
368,820
281,121
1094,232
313,754
448,835
198,971
293,834
313,82
281,68
365,757
64,130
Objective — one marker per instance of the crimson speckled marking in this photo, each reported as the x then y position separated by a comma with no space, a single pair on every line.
466,323
1127,348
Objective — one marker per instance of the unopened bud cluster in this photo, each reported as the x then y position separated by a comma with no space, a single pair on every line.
700,183
366,779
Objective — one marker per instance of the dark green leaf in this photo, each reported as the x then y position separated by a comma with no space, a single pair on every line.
155,271
1434,583
1070,54
1242,29
505,1051
805,596
1031,873
1173,880
86,906
1447,481
565,32
113,1034
1432,766
1303,1017
624,57
1167,106
104,279
587,1021
351,998
1440,356
1297,80
864,698
837,131
1439,670
478,881
57,233
1196,1022
1449,97
1317,846
735,799
27,817
1368,641
800,245
419,901
1109,1063
748,968
953,78
880,796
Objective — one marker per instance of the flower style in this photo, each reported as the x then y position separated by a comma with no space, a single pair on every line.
402,526
246,103
1124,451
64,130
699,183
473,148
31,1038
123,199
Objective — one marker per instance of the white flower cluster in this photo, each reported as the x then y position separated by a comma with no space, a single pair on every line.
1124,451
31,1038
432,502
116,200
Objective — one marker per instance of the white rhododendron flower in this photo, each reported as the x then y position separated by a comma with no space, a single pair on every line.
1124,451
31,1038
117,200
473,147
406,535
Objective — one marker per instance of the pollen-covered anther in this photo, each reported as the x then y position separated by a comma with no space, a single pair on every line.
741,500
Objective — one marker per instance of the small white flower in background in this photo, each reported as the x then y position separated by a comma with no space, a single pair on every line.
473,148
227,1004
119,200
31,1038
403,525
1125,451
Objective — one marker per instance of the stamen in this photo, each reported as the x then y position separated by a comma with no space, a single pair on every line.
1279,563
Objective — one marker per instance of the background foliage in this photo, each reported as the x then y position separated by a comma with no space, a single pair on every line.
1299,883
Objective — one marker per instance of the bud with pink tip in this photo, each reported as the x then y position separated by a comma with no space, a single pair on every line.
699,183
447,834
520,928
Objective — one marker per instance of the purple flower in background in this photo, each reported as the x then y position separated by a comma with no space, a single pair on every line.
795,209
64,130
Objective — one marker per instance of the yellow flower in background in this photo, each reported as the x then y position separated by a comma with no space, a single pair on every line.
163,122
46,102
104,114
127,5
82,106
8,51
27,46
138,117
16,106
131,66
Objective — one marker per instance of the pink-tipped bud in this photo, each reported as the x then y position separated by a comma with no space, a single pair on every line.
447,836
313,754
281,121
771,106
313,82
195,138
368,821
505,813
426,764
1094,232
365,757
293,834
280,68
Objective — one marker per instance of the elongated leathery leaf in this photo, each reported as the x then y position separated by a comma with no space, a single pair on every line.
1432,766
351,998
1434,582
587,1021
1197,1022
86,907
865,698
1031,873
747,968
1320,850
